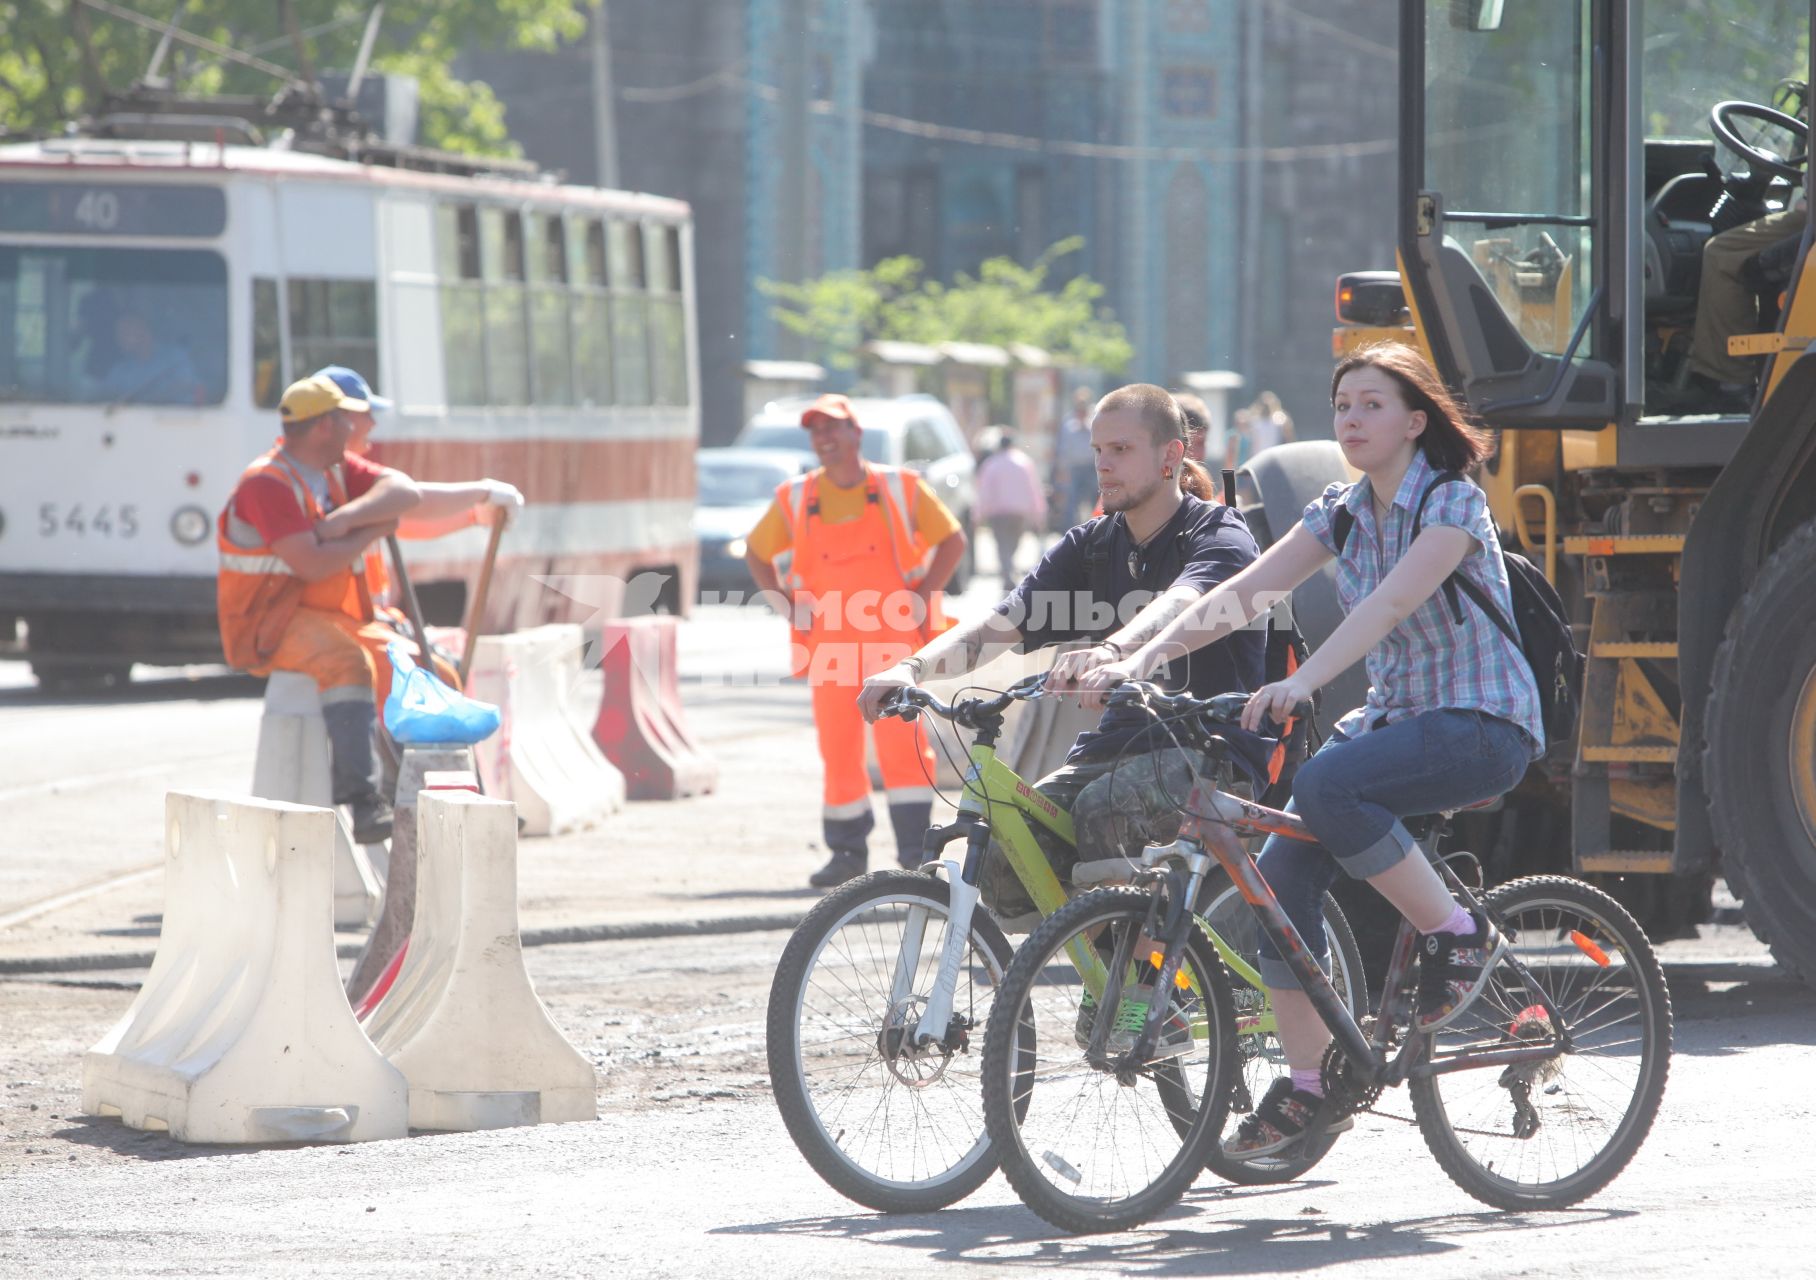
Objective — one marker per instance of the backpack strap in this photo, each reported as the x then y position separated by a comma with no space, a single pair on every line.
1457,581
1098,557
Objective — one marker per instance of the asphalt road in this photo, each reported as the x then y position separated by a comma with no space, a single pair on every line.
688,1170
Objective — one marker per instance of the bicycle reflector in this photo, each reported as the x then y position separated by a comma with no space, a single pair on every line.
1157,959
1587,946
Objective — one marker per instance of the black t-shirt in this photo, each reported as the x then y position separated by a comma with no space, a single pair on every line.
1205,543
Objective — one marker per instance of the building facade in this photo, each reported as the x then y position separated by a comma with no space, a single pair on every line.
1223,160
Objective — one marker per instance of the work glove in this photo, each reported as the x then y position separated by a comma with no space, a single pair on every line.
502,500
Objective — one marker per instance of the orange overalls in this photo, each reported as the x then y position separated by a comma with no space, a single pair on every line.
860,575
271,620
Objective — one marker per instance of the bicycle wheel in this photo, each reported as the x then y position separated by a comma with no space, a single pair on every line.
891,1126
1258,1051
1093,1149
1553,1132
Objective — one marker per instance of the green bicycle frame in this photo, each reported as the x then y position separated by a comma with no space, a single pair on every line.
995,792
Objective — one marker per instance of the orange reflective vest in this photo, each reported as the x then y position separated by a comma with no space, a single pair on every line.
853,569
256,593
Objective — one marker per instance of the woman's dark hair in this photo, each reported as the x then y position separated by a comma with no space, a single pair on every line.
1452,440
1165,421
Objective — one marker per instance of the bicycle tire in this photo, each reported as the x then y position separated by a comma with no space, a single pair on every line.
1259,1053
1036,1131
839,1094
1596,966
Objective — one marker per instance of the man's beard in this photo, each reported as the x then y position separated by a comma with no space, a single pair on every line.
1128,498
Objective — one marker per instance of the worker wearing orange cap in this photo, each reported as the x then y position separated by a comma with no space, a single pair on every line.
869,548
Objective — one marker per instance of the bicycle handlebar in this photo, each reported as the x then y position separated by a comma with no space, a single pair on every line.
1224,708
908,702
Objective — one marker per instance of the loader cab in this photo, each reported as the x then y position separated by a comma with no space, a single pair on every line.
1562,168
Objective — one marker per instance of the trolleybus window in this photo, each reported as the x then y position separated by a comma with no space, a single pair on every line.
462,320
549,311
507,346
267,346
630,336
667,320
106,326
591,312
334,322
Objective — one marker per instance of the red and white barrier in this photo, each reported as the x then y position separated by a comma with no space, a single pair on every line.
462,1020
292,766
641,728
540,758
241,1033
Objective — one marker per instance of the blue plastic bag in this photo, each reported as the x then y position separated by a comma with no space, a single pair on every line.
422,709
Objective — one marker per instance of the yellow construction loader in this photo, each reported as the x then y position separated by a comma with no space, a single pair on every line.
1602,246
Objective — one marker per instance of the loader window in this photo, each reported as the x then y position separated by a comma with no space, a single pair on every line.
1507,148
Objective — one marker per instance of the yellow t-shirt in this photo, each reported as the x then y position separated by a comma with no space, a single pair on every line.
772,535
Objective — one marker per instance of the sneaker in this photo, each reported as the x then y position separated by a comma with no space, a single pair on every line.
838,869
1284,1117
1454,969
1175,1037
372,819
1086,1021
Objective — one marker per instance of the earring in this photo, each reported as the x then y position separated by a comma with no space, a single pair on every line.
1166,473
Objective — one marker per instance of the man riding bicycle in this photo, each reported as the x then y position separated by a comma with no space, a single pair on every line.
1162,535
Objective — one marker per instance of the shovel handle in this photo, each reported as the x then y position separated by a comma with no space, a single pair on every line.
477,610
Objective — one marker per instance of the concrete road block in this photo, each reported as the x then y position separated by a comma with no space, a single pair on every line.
559,780
292,766
388,936
241,1033
462,1021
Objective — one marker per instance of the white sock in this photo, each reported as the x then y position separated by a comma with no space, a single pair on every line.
1460,924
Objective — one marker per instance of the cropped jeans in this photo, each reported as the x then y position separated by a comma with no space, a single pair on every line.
1352,795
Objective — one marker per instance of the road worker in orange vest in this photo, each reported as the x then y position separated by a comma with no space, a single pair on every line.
290,597
485,501
867,550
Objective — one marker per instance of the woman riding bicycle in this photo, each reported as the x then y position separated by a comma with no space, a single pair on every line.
1452,715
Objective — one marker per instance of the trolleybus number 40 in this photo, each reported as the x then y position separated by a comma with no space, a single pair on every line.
105,521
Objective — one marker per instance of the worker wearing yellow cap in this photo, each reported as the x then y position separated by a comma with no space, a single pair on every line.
291,537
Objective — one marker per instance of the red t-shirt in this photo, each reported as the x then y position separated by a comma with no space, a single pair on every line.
268,503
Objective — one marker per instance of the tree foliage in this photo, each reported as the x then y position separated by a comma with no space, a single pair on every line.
58,58
1005,302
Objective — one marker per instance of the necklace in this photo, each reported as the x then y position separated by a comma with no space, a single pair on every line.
1137,548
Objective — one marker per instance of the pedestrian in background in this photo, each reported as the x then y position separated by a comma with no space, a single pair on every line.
1009,501
1200,440
870,549
1074,465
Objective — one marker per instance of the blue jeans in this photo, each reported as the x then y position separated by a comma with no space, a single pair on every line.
1352,795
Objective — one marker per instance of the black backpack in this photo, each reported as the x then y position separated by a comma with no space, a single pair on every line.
1540,627
1284,653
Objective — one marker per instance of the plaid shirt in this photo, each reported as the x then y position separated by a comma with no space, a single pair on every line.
1430,661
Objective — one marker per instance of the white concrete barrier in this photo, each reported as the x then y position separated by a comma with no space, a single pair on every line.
292,766
392,931
462,1021
539,758
241,1032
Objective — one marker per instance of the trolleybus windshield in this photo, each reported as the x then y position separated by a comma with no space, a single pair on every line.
112,326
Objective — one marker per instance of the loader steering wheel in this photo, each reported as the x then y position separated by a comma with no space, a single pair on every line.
1738,126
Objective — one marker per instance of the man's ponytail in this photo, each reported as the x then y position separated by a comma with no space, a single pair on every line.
1195,480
